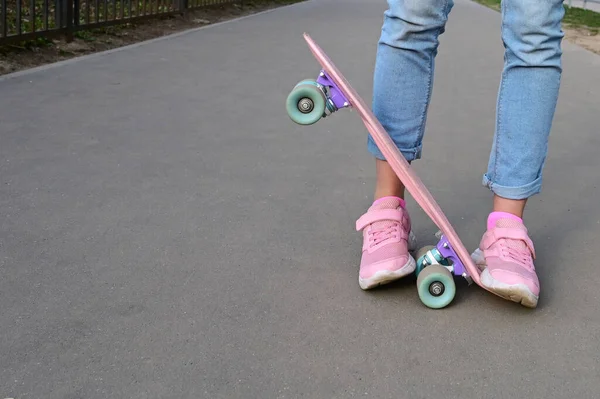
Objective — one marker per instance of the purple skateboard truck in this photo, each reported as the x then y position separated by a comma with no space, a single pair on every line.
442,254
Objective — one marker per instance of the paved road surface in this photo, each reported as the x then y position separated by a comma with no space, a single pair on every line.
167,232
590,5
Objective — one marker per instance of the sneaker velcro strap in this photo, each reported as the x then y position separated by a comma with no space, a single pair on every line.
378,215
499,233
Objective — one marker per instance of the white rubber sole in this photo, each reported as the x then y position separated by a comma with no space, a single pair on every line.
518,293
386,276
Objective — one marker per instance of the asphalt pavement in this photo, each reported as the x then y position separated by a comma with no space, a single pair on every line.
589,5
166,231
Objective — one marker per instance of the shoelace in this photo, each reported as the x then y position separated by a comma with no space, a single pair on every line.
380,235
522,256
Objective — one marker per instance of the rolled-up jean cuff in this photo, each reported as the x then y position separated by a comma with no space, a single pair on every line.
516,193
410,154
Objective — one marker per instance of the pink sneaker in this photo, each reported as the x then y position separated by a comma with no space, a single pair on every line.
506,255
387,239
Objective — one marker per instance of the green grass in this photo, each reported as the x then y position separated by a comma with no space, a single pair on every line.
575,17
495,4
581,17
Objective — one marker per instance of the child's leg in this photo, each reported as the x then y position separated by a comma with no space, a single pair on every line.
387,183
403,80
527,98
402,88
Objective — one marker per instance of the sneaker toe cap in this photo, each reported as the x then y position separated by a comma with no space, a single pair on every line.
394,264
513,276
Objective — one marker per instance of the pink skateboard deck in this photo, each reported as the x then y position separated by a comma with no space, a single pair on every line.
312,100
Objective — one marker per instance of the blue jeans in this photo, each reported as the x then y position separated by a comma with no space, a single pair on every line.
528,93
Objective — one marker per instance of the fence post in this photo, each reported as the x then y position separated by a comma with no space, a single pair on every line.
76,10
183,6
69,27
3,20
58,14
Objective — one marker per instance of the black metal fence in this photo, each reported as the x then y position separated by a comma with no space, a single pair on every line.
22,20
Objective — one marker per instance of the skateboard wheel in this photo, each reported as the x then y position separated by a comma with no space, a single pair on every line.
421,261
306,103
436,287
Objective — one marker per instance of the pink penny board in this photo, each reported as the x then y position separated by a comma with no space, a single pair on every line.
405,173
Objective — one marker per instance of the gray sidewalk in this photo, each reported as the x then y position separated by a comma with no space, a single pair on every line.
168,232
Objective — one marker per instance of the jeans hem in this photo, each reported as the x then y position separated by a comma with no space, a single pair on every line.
410,154
514,193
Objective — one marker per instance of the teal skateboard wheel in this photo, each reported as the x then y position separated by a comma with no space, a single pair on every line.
436,287
306,103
